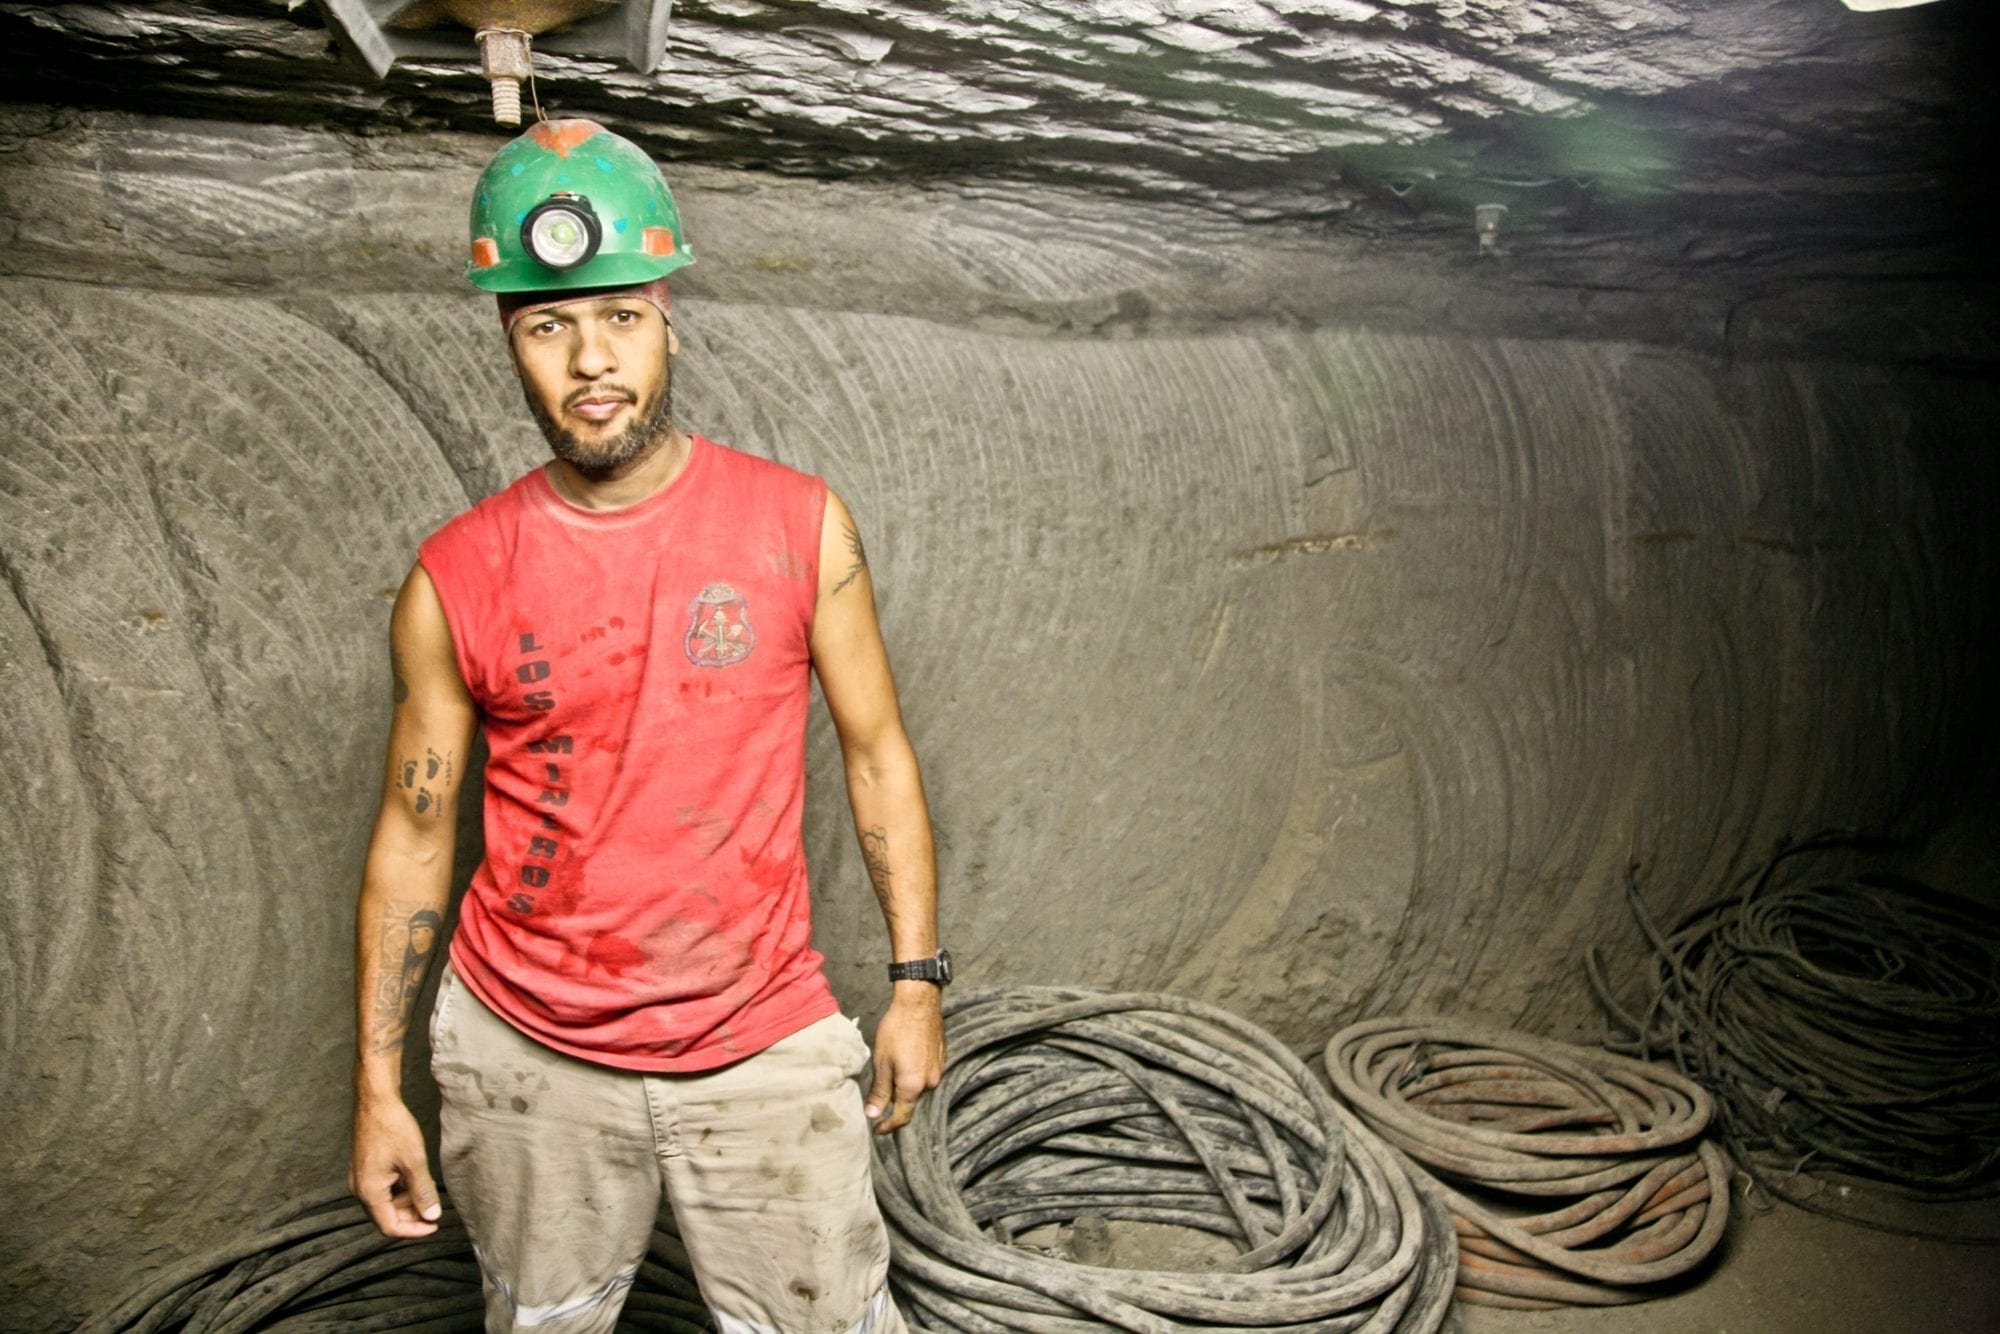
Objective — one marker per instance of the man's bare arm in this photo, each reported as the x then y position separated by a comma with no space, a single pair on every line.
891,817
404,890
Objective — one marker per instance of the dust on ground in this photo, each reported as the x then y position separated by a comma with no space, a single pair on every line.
1779,1270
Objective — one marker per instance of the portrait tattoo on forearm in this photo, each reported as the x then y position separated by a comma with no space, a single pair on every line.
407,949
856,550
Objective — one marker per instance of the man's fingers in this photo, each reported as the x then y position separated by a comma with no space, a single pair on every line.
898,1117
398,1211
410,1220
878,1092
380,1212
424,1193
887,1108
395,1215
909,1085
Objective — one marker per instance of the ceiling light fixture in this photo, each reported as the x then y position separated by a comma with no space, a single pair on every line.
381,32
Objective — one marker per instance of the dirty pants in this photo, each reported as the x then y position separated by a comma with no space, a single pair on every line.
557,1167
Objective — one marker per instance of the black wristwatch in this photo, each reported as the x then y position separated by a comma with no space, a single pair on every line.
936,969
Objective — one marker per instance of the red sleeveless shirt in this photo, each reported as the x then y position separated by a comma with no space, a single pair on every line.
642,676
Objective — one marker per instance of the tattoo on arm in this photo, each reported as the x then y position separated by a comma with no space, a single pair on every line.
875,852
407,948
856,550
433,766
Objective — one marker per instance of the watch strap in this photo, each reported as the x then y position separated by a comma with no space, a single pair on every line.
936,968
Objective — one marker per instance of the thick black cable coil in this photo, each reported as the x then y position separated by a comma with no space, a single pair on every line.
1846,1026
320,1265
1149,1108
1509,1122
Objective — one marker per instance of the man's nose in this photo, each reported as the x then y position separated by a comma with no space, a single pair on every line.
593,355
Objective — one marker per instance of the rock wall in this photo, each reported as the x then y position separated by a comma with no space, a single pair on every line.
1312,671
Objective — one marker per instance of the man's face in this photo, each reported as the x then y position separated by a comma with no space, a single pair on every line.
597,378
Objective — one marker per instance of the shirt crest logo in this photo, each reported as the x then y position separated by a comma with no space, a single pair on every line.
719,632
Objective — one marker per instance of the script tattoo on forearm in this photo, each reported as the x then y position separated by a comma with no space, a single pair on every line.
407,947
875,852
856,550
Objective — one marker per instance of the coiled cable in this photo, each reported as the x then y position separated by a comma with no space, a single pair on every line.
1148,1108
1506,1119
1847,1026
321,1265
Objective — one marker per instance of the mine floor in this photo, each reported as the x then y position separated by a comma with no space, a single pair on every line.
1787,1271
1779,1270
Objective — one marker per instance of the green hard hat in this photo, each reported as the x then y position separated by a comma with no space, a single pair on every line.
569,204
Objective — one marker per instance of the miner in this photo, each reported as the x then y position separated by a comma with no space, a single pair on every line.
631,1004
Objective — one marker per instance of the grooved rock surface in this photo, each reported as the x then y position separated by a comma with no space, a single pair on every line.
206,205
1254,100
1638,145
204,502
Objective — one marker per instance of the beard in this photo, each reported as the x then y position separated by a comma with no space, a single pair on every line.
597,458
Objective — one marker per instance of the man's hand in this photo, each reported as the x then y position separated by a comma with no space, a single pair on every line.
909,1055
389,1173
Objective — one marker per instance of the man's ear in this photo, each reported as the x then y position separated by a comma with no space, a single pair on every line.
673,340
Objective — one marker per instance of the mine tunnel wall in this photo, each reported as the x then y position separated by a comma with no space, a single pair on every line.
1315,673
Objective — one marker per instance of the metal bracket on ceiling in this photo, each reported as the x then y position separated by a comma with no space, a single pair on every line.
381,32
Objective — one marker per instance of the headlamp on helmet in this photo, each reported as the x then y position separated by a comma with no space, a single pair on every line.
562,231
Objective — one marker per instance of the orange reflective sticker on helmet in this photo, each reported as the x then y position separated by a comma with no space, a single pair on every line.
559,136
485,252
659,241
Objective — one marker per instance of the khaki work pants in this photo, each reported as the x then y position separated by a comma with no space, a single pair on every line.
557,1167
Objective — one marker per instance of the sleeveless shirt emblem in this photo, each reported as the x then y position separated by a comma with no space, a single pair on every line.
719,632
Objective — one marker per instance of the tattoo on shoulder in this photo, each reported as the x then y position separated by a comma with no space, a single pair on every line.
857,551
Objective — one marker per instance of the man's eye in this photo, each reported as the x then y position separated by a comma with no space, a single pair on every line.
624,316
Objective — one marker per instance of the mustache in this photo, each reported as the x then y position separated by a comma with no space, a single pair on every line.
600,391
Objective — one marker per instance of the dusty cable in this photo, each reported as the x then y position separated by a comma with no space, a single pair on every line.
1848,1027
1513,1124
1063,1103
321,1265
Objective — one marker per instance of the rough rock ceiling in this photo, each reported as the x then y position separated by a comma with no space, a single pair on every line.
1625,136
